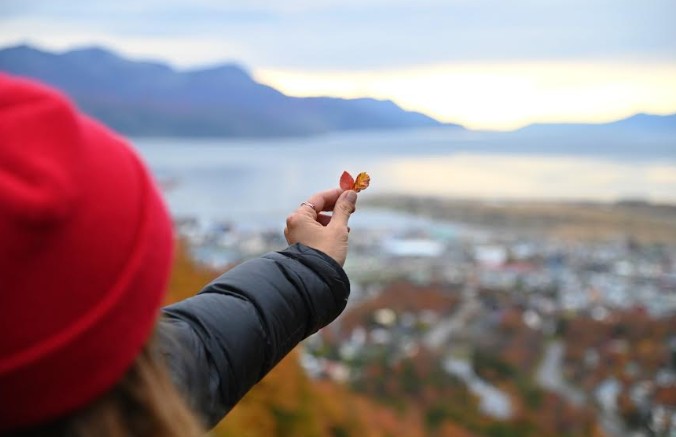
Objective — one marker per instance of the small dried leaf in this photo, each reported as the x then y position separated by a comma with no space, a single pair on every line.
346,181
362,182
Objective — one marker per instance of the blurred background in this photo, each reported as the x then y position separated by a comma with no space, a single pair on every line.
514,261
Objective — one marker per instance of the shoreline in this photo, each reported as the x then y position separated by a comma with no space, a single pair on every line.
641,221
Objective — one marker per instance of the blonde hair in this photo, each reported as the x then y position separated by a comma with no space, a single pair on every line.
145,403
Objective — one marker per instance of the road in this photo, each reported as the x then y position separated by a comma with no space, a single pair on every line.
440,335
550,377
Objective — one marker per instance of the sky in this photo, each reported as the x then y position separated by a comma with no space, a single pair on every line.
486,64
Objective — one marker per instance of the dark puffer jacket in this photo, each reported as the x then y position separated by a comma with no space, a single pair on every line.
222,341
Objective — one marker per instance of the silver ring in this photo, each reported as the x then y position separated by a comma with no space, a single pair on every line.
311,205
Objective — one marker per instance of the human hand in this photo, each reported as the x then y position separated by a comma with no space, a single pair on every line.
328,233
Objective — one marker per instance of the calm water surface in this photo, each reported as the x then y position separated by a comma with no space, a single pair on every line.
255,182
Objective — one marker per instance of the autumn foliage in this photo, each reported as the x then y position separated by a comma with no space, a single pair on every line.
407,397
287,402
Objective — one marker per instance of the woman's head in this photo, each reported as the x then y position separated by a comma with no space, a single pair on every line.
84,259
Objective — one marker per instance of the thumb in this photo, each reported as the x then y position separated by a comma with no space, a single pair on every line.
345,206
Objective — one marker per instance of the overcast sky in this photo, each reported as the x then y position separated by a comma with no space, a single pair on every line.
494,64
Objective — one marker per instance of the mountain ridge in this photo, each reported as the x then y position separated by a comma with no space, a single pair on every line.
638,121
151,98
148,98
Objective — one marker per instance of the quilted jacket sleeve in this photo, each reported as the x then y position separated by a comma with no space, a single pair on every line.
222,341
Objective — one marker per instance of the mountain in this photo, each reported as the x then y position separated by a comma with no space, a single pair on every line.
152,99
636,124
647,122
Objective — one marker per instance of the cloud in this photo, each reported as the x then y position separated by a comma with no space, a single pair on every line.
366,34
501,95
484,63
180,51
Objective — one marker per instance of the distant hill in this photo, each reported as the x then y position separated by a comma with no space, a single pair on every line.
647,122
152,99
639,123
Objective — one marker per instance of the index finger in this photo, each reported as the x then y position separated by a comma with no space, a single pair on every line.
325,200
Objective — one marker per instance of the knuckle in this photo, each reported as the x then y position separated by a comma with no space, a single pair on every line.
347,208
291,220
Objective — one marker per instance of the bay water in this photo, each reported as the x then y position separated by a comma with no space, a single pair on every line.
257,183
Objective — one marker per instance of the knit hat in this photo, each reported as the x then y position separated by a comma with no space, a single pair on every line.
85,253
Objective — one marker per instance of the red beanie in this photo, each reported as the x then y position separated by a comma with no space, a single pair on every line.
85,253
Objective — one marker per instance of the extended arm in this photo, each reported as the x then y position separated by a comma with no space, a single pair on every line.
222,341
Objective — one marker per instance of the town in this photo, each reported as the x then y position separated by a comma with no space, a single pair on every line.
529,330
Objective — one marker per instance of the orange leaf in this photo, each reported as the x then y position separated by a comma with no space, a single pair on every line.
362,182
346,181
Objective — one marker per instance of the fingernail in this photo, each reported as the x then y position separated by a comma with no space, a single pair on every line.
351,197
